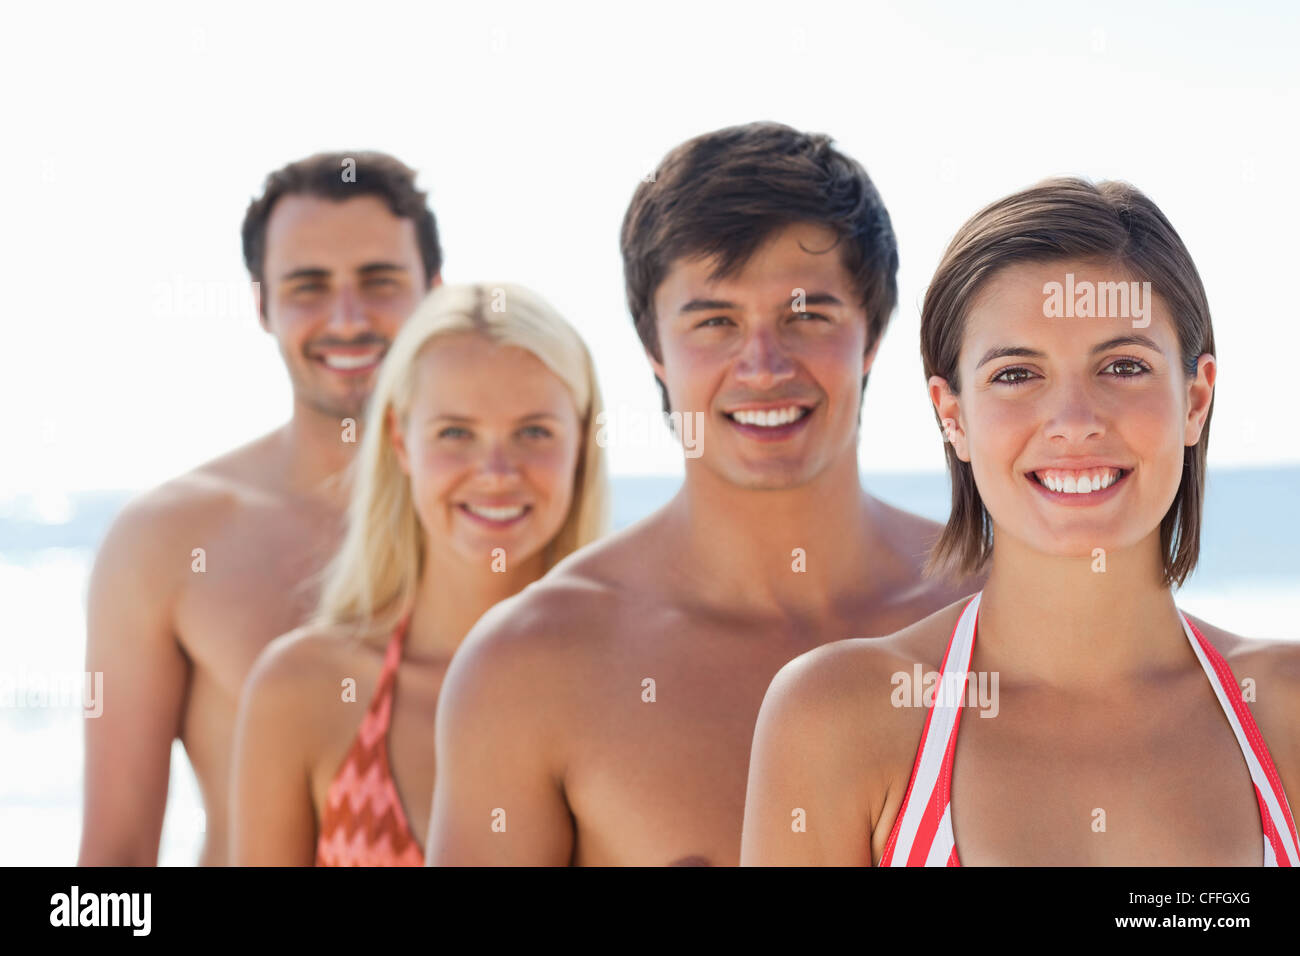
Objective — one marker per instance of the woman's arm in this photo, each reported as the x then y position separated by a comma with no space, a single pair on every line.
273,821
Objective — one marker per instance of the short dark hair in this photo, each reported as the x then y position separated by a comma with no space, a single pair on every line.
376,174
1061,219
724,193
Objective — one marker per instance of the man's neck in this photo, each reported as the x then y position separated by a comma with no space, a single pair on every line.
314,451
795,551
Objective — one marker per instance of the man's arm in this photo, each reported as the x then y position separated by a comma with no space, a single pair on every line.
273,822
130,640
498,796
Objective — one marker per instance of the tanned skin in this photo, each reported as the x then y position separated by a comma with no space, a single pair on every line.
175,643
549,749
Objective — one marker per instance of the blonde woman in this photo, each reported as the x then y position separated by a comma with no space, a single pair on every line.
478,470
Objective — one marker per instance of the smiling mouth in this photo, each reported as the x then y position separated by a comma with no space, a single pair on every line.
1084,481
503,515
769,417
350,362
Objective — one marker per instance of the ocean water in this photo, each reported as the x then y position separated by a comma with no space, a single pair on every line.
1248,581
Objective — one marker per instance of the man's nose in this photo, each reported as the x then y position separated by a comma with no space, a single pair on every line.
348,314
763,362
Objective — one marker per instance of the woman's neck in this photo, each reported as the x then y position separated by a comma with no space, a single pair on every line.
454,593
1079,622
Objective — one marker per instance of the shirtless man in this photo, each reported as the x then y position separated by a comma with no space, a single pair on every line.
604,715
195,577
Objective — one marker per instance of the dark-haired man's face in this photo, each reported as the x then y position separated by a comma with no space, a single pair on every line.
773,357
340,279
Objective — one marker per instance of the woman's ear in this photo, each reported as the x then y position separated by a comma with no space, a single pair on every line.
949,411
398,438
1199,392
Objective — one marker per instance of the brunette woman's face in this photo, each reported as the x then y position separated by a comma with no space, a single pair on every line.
1074,427
490,444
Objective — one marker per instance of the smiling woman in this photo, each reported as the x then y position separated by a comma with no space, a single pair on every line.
1077,451
479,469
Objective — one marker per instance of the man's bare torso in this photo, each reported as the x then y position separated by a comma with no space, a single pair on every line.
662,781
241,554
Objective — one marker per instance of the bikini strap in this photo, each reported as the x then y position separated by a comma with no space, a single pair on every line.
380,703
1280,838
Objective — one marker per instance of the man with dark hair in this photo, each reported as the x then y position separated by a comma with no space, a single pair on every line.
195,577
605,715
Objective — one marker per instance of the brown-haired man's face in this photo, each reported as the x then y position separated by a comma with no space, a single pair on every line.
772,357
340,278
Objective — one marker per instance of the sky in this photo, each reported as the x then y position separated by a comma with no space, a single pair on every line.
138,134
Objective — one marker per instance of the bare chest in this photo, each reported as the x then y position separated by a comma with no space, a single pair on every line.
251,580
1162,785
660,745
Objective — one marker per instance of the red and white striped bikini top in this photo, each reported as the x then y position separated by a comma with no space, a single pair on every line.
922,834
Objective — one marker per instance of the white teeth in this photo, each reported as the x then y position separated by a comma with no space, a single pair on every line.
770,418
349,361
497,514
1080,484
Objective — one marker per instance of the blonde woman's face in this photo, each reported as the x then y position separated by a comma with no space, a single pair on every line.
1074,425
490,444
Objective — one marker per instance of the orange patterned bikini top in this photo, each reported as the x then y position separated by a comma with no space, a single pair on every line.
363,823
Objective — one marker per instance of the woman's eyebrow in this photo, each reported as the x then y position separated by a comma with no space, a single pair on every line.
1119,340
1002,351
1020,351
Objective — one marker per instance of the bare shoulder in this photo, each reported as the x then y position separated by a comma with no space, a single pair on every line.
567,621
1271,666
189,502
1267,673
1280,659
295,679
848,686
299,659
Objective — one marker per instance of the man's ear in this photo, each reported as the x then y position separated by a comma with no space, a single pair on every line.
435,281
259,306
869,359
1200,391
948,408
398,438
657,365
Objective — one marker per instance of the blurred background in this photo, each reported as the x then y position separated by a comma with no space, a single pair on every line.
139,133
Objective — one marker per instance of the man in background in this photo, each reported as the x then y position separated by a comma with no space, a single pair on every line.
196,576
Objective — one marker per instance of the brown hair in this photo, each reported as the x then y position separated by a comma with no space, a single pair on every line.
1066,219
724,193
376,174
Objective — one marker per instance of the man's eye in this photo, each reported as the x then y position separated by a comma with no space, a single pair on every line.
310,287
382,283
812,315
713,319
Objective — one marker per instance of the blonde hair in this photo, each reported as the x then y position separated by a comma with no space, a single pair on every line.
371,583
